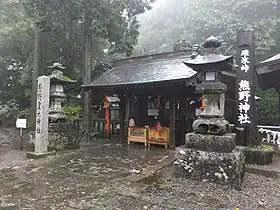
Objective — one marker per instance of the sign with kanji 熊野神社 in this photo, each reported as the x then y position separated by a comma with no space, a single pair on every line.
245,88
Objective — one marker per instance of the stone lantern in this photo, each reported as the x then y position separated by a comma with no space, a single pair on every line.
209,152
57,95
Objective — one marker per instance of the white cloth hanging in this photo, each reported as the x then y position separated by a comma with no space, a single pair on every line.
131,123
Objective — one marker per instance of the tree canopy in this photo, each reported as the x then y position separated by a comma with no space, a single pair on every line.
113,26
195,20
115,30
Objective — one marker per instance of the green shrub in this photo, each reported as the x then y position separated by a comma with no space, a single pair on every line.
73,113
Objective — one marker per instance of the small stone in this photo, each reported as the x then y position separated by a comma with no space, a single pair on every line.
145,207
219,175
7,205
182,152
261,203
134,171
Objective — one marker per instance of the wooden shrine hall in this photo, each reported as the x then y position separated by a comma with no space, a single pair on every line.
269,75
156,90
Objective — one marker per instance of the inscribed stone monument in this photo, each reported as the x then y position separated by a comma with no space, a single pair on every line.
42,115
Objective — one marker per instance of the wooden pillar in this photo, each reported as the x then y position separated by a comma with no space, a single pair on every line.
246,132
127,114
172,111
278,91
122,118
182,120
142,110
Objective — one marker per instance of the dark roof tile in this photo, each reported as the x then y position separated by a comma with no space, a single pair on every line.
146,69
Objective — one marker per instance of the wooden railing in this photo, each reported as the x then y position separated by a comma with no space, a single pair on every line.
98,127
268,134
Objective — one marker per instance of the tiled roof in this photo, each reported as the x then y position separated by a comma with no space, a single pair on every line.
146,69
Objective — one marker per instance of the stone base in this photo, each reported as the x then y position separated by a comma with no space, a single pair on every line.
211,126
63,139
211,143
35,155
221,168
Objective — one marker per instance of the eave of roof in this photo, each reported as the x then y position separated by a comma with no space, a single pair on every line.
165,67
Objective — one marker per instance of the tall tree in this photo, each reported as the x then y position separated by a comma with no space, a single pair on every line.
112,21
195,20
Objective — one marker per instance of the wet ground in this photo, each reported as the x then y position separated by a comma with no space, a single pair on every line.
9,155
95,177
76,179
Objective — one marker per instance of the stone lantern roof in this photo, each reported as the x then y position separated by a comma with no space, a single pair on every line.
212,60
57,75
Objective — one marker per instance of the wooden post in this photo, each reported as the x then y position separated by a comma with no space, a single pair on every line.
122,118
127,114
172,111
278,91
142,110
245,89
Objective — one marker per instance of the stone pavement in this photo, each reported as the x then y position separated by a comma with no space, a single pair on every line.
74,179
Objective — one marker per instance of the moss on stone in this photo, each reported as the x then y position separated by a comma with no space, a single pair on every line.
263,148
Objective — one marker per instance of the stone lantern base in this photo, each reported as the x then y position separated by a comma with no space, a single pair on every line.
217,167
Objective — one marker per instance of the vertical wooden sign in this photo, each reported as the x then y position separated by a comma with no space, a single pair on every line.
245,89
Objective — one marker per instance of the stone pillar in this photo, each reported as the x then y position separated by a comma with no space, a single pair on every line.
42,119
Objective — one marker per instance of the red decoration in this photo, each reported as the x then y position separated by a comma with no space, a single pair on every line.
202,103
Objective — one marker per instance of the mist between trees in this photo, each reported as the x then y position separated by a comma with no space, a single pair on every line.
118,29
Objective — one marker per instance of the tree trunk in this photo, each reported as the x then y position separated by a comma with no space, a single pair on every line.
87,76
35,74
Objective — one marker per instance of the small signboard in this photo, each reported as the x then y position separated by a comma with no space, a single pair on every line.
21,123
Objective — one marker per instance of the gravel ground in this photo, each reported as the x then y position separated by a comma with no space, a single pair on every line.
94,177
257,192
